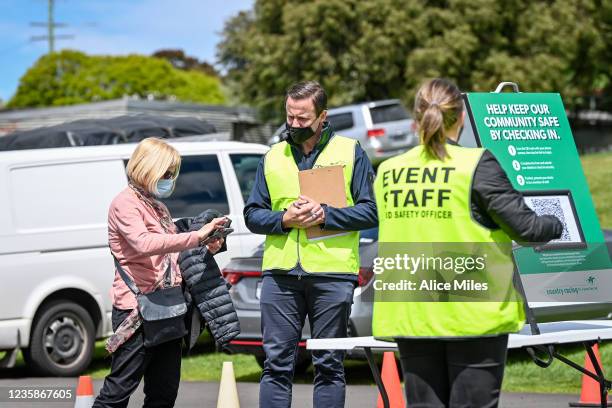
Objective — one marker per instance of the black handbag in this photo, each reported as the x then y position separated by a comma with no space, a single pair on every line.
163,310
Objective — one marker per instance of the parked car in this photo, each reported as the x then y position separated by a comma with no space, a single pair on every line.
244,274
383,128
54,258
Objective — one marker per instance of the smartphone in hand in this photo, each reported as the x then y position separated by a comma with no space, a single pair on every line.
221,232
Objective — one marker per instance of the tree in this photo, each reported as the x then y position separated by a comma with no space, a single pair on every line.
180,60
603,25
71,77
372,49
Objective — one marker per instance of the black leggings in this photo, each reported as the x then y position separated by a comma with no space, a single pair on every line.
453,373
160,366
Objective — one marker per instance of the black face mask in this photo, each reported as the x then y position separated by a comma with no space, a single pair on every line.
299,134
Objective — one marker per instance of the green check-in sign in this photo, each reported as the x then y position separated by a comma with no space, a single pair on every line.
530,136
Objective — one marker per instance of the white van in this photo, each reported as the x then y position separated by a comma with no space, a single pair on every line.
55,266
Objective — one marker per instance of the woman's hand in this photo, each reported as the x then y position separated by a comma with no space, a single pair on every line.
215,246
209,228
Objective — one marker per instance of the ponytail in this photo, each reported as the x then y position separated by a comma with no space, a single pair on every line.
437,107
431,132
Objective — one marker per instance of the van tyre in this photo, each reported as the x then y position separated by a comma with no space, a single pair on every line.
61,341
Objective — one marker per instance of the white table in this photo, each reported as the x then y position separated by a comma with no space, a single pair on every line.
587,332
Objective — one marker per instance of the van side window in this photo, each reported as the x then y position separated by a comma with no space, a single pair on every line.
199,187
341,121
245,166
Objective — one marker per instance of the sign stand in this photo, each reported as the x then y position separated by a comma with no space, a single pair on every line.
549,349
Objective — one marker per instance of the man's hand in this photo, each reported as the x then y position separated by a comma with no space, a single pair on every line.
292,215
303,213
314,215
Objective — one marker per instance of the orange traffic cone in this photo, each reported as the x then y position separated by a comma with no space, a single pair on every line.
590,392
84,393
393,386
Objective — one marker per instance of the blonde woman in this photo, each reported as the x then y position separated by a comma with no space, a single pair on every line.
143,239
453,353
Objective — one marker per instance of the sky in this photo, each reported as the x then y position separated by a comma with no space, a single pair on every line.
114,27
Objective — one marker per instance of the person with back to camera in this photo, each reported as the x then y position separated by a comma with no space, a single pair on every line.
143,239
452,353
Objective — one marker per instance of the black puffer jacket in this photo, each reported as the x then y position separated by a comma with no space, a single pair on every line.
208,290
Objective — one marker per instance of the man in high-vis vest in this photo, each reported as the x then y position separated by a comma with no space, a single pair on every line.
301,277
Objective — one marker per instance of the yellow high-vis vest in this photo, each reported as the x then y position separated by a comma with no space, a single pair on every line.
424,200
334,254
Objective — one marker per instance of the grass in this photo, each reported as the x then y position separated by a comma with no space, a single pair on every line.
201,364
598,170
521,374
204,364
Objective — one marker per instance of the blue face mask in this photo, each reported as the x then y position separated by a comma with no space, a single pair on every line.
164,188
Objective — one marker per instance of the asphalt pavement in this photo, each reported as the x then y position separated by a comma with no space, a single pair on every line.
204,395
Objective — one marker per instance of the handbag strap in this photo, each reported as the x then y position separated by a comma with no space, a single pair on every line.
168,273
126,278
130,282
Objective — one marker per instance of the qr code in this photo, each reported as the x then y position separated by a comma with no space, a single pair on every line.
551,206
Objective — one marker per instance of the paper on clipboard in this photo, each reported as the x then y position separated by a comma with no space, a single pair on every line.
326,186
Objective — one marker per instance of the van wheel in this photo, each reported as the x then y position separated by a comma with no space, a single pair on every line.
62,340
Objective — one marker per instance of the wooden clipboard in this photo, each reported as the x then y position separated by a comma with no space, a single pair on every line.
326,186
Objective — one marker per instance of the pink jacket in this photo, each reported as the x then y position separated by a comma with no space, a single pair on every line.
137,240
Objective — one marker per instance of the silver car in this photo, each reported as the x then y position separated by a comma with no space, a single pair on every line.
245,276
383,128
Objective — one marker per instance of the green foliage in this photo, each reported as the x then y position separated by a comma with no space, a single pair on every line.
71,77
180,60
372,49
597,169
